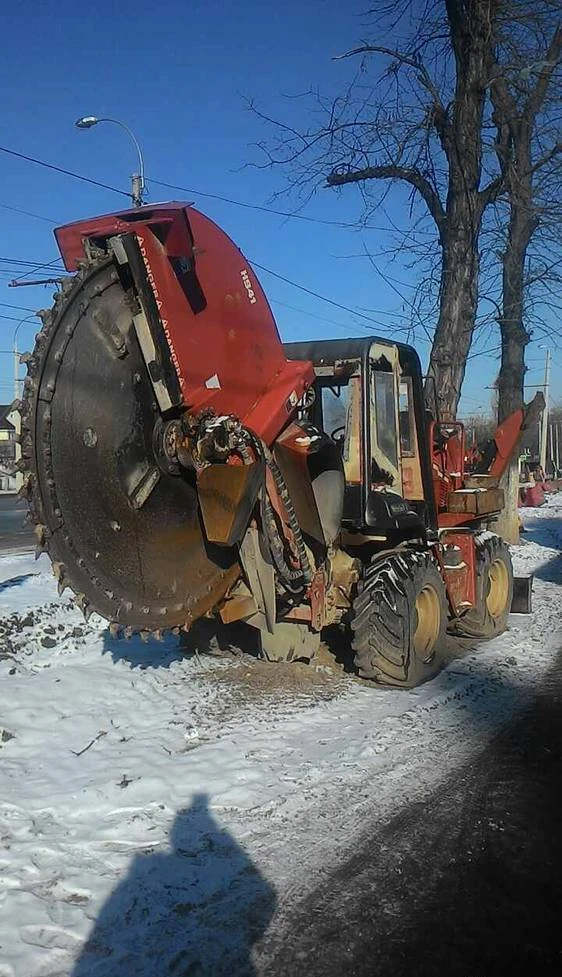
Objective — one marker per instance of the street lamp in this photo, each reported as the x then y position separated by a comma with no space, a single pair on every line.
544,425
137,179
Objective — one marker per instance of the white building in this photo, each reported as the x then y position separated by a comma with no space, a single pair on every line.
8,428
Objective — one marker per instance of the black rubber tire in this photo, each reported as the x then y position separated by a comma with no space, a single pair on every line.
384,619
483,621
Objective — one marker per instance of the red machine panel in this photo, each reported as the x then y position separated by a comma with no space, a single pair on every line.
221,333
460,574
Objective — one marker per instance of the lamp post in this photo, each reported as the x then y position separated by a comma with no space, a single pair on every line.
137,179
544,425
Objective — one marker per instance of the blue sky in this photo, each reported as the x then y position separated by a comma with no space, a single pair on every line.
178,74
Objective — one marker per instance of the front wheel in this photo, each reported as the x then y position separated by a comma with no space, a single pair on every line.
494,590
399,620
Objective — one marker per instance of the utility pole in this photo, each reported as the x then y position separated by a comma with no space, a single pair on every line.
544,425
17,416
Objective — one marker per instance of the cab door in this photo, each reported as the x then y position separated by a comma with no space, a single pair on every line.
339,413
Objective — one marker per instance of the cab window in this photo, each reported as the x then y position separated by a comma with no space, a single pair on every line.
385,415
341,419
406,418
335,401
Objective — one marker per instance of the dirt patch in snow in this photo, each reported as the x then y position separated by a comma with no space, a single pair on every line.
230,659
255,680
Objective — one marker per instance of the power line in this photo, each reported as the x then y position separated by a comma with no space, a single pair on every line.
13,318
302,288
288,281
61,169
27,213
23,261
229,200
46,264
171,186
338,305
483,352
390,283
262,208
21,308
316,295
308,291
313,315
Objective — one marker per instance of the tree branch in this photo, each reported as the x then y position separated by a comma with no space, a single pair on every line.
554,151
491,193
411,60
537,96
392,172
439,112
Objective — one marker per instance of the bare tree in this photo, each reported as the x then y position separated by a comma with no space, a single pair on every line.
523,80
523,67
419,125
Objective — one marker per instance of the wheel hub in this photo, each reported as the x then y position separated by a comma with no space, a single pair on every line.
428,613
498,589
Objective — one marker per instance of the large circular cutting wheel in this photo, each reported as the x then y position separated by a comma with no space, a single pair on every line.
123,533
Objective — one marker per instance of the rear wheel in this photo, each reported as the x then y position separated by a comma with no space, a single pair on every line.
399,620
494,590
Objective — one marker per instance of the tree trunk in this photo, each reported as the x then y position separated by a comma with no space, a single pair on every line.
469,24
507,523
516,132
457,313
514,336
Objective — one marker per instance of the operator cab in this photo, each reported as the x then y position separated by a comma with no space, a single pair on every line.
368,398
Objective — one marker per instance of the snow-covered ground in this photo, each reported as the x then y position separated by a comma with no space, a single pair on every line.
159,810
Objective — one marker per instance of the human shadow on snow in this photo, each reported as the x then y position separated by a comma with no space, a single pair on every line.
194,910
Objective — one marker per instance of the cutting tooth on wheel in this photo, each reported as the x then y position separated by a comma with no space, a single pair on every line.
62,585
128,532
